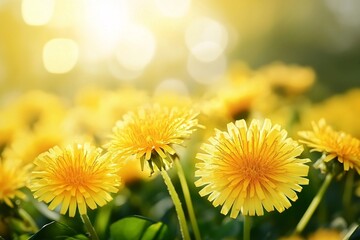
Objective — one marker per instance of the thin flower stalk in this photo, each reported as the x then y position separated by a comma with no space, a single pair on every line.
89,226
313,205
247,227
186,192
179,210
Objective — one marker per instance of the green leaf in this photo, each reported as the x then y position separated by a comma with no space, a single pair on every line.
228,229
54,230
138,228
155,231
78,237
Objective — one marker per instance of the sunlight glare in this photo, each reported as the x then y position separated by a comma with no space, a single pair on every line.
136,47
60,55
104,24
173,8
206,72
206,39
37,12
172,86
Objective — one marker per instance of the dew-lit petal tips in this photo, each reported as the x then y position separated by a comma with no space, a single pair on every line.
251,168
74,177
150,133
334,144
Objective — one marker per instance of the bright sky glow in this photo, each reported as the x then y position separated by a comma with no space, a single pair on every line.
136,47
206,39
60,55
121,73
37,12
206,72
68,13
172,85
104,24
173,8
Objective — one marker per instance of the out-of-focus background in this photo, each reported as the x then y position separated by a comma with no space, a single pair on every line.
69,69
63,45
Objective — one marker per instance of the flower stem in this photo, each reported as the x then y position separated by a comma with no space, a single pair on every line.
28,219
247,227
89,227
349,184
186,192
179,210
314,204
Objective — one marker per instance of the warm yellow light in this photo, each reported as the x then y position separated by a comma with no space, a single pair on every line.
206,39
68,13
60,55
120,72
136,47
172,86
173,8
206,72
103,24
37,12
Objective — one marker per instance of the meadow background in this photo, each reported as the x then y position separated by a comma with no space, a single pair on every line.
69,69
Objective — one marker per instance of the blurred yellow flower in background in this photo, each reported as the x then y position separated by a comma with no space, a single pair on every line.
334,144
290,79
30,111
13,176
149,133
235,98
292,237
96,110
76,176
346,105
246,169
27,145
328,234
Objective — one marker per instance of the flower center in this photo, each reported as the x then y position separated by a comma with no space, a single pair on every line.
254,169
75,176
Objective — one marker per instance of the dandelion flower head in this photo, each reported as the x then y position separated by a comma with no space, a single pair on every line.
13,177
334,144
246,169
75,176
329,234
150,133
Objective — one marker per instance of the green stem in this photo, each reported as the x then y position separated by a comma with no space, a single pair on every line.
175,198
349,184
190,208
89,227
314,204
28,219
247,227
350,232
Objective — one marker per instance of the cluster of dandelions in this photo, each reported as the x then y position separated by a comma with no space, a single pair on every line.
245,169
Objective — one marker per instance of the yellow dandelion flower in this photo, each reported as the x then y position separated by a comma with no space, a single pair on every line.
27,145
328,234
293,79
293,237
246,169
334,144
345,104
75,176
149,133
13,177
